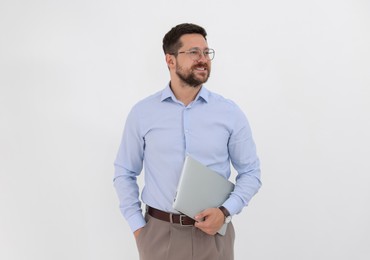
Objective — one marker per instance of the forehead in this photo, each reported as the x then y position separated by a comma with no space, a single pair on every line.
193,40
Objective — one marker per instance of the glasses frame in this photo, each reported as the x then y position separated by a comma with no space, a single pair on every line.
200,52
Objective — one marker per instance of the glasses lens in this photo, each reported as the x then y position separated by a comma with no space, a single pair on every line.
195,54
209,54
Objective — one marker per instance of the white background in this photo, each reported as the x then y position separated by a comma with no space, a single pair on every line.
71,70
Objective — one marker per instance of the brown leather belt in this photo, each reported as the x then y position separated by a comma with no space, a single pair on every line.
170,217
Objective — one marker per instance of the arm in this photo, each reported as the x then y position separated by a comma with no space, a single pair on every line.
243,156
128,166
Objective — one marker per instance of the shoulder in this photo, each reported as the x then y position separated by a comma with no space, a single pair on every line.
227,109
223,102
147,102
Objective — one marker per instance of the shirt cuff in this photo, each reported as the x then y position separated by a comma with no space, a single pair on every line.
136,221
233,206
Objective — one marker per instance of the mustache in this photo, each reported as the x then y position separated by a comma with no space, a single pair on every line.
203,65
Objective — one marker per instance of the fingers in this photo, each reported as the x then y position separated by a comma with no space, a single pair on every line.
209,221
204,214
206,227
137,232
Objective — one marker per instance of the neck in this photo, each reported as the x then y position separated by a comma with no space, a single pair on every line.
183,92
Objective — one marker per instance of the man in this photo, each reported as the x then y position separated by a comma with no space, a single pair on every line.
184,118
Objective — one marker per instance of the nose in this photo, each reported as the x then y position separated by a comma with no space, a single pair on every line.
202,57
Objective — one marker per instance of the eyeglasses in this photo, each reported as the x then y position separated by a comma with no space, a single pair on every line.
196,54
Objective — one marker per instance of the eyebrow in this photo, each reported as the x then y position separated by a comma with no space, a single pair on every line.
197,48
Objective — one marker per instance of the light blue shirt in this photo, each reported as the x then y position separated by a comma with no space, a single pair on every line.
160,130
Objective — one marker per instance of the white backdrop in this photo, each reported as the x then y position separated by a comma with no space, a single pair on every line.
71,70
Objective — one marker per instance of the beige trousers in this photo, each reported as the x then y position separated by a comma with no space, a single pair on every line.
160,240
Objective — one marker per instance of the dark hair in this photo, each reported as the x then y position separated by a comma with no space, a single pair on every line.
171,41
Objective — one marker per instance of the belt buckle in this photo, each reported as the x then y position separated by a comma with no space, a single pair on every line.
181,219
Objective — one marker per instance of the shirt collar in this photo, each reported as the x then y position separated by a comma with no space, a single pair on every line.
203,94
167,93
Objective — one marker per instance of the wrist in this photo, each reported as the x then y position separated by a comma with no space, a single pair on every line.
226,213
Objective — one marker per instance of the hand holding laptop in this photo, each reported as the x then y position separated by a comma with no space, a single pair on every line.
200,192
210,221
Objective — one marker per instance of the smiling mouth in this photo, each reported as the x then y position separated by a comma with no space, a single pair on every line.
201,69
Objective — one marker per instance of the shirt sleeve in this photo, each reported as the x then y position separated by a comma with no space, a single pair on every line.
243,156
128,165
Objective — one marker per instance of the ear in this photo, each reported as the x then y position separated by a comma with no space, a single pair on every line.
170,60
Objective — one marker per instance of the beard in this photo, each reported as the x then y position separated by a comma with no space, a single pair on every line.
190,78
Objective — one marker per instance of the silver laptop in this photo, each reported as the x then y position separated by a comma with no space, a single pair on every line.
200,188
